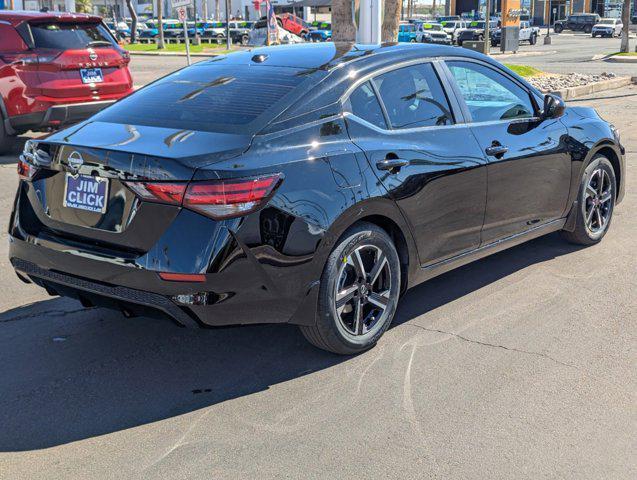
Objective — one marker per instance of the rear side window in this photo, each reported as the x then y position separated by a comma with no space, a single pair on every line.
209,97
364,104
489,95
66,36
414,97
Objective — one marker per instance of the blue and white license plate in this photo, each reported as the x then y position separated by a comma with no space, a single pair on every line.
91,75
86,193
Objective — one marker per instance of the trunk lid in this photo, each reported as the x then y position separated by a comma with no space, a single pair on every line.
81,192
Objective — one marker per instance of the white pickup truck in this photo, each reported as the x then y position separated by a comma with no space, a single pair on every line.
527,34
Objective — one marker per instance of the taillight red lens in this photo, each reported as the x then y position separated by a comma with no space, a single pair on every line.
229,198
171,193
26,171
215,198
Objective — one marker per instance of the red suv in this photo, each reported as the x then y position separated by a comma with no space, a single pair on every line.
55,69
294,24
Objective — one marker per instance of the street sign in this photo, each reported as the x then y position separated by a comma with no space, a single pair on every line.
180,3
181,14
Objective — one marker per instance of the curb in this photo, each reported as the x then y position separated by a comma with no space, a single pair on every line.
172,54
621,59
573,92
497,55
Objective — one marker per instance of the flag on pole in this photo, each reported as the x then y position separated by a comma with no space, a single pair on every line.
273,26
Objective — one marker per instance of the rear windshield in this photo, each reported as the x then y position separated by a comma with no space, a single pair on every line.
65,36
207,97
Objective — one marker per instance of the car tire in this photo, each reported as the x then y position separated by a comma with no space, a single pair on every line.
245,39
588,29
7,142
337,329
595,203
533,39
558,28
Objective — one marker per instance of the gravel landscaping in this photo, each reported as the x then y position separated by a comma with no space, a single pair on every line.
552,82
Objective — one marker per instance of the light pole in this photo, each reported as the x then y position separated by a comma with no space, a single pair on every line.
547,39
196,40
228,40
487,30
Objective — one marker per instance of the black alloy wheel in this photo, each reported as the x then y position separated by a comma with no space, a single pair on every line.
359,292
595,204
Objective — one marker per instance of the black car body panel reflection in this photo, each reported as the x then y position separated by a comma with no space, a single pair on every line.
448,201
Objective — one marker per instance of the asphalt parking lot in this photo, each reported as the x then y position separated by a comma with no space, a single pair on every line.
521,365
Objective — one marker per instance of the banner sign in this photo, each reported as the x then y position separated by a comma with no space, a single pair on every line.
273,26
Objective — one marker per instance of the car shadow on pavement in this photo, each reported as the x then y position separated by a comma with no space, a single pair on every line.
70,374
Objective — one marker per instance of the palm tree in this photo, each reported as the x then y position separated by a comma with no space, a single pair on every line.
133,16
160,25
343,28
391,20
84,6
625,48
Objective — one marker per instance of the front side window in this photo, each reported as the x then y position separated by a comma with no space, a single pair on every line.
364,104
414,97
489,95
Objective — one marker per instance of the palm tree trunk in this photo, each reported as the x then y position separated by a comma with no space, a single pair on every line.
133,16
625,47
160,24
343,28
391,20
218,12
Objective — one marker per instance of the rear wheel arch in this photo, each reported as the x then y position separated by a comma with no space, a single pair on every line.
384,214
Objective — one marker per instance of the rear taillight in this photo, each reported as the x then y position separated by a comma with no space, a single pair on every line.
26,171
214,198
171,193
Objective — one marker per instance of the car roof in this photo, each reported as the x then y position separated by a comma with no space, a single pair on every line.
328,56
16,17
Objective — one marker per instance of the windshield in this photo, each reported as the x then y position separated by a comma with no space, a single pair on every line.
476,25
66,36
450,24
209,97
431,26
607,22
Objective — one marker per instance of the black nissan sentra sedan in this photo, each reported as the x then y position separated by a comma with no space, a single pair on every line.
308,184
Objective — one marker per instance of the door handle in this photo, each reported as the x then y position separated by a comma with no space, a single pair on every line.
392,164
496,150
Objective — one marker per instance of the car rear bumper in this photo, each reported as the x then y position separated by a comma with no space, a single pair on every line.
57,115
239,284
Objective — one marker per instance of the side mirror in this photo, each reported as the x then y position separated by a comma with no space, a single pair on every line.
554,106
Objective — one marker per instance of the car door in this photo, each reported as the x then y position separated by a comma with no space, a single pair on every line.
424,155
528,165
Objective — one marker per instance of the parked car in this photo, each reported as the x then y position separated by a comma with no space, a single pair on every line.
474,31
240,31
196,204
527,34
448,18
214,30
320,32
407,32
432,33
293,24
582,22
152,28
56,68
608,27
452,27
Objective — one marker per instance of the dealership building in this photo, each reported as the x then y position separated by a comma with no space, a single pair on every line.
540,10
